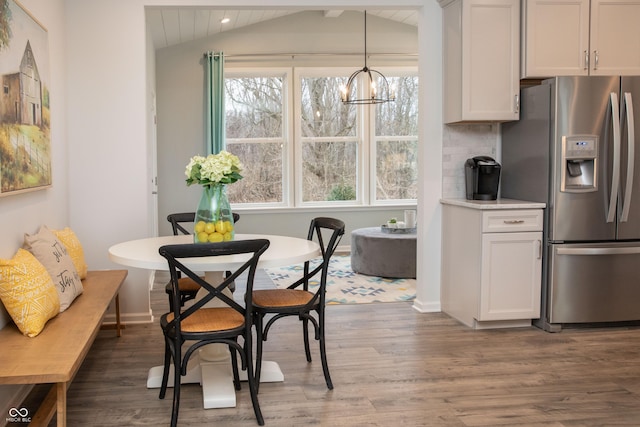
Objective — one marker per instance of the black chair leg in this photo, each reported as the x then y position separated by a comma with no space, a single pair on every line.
177,377
258,370
323,352
234,366
325,365
305,333
165,370
253,383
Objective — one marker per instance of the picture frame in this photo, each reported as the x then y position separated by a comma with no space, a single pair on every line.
25,116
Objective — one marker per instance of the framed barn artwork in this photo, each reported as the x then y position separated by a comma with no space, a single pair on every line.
25,125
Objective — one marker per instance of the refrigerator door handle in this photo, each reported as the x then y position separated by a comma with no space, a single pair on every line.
628,107
615,177
599,251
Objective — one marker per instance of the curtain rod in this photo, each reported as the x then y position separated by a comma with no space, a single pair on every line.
293,55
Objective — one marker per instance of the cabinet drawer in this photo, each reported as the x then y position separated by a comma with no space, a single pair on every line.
505,221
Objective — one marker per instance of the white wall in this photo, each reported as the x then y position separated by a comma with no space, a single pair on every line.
430,155
25,213
110,186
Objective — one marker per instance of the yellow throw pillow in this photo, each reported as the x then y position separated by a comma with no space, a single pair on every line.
27,292
54,256
71,242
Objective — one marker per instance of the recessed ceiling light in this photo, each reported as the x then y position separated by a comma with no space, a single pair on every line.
224,20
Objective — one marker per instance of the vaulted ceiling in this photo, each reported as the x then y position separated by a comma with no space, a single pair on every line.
174,25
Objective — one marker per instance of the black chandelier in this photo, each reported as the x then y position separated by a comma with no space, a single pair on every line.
378,91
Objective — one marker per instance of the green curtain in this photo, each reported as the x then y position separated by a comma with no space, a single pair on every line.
215,137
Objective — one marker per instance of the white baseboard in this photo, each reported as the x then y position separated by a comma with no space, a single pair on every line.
343,250
427,307
129,318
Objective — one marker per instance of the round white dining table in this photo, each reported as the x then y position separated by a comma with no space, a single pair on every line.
143,253
211,367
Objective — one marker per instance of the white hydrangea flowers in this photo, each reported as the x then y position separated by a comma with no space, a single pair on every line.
221,168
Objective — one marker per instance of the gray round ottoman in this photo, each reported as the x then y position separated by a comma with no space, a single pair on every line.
376,253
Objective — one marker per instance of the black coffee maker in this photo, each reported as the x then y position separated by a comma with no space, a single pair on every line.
482,176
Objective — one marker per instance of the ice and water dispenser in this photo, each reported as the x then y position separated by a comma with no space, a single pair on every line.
579,163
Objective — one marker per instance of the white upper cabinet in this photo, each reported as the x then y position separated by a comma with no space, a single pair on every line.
481,60
580,37
555,37
615,37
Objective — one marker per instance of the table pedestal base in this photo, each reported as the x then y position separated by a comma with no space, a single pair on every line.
216,379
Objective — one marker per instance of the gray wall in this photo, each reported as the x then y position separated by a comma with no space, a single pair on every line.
180,101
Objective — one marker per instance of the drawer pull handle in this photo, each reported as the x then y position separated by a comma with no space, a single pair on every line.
514,221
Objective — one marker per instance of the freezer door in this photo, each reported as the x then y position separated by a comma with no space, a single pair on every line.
629,199
594,283
583,107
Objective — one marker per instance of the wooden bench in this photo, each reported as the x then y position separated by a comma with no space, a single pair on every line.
56,354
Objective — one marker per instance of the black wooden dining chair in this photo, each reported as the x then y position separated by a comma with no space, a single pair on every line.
188,288
222,324
300,298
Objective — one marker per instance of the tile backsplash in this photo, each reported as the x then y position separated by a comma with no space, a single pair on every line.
459,143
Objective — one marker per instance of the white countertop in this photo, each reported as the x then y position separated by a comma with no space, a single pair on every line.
494,204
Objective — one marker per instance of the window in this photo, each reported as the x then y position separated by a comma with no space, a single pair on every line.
344,154
256,133
395,137
328,142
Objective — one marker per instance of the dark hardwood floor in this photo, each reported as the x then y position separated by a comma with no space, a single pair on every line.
390,366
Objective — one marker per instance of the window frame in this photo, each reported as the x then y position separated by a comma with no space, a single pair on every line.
361,191
292,140
374,139
287,129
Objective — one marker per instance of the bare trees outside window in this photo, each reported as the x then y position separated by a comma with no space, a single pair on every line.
255,133
396,143
331,142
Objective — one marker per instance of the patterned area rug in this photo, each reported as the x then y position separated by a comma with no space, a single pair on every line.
346,287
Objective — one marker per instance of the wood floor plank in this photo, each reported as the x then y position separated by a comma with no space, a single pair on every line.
390,366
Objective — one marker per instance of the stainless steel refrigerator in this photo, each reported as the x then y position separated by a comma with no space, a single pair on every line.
576,148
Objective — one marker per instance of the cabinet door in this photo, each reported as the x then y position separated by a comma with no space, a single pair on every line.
555,38
511,276
615,37
490,59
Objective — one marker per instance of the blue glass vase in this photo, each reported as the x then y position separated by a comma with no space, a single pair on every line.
214,219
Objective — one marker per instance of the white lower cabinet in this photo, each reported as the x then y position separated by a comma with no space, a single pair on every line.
491,264
510,282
